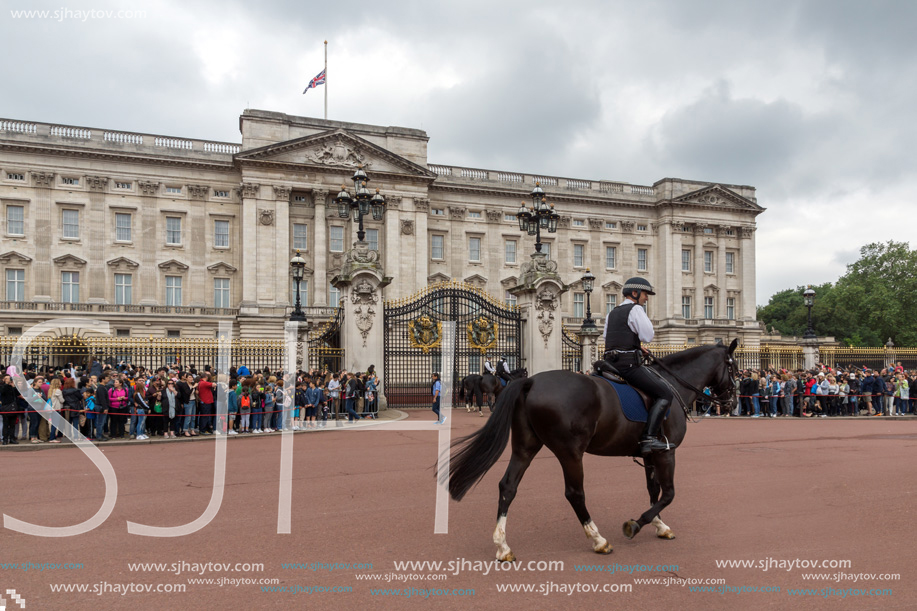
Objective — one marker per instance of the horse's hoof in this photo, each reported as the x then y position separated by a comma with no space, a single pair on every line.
605,549
666,535
510,557
631,528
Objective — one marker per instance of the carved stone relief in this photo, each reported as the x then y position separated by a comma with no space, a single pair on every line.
364,297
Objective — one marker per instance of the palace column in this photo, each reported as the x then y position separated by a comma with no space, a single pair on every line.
40,212
320,248
249,223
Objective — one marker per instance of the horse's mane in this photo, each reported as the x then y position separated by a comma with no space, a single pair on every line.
679,358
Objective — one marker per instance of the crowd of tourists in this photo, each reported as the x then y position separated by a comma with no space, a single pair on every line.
126,402
826,392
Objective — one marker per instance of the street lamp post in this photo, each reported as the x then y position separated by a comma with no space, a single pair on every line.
808,297
297,268
541,216
362,203
588,285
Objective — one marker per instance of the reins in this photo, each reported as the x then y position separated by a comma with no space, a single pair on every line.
718,400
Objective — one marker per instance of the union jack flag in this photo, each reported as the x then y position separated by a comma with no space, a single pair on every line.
318,80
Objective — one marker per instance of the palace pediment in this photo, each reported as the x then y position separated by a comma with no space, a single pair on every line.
173,266
221,268
15,257
123,263
69,260
717,196
438,277
334,150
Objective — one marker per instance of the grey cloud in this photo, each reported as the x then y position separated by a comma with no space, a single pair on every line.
747,141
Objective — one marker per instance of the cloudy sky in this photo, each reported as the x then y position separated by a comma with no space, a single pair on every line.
810,102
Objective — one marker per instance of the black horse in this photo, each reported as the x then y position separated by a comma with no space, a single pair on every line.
573,414
470,393
491,386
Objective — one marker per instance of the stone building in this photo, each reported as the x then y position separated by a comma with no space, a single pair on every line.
164,236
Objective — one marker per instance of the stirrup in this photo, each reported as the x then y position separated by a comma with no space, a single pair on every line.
652,444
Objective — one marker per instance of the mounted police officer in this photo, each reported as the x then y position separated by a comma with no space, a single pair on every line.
503,371
625,327
488,367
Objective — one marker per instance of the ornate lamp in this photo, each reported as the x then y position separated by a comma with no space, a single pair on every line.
541,216
297,269
808,297
361,204
588,286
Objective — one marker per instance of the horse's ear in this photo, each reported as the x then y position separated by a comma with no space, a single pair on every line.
733,345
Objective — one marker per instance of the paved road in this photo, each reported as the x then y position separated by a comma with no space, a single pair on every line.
746,490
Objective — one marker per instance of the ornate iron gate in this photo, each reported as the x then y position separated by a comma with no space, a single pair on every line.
325,347
413,338
572,351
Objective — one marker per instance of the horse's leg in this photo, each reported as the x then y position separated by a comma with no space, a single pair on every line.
525,447
652,485
573,490
664,464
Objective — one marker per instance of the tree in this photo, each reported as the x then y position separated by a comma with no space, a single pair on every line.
874,300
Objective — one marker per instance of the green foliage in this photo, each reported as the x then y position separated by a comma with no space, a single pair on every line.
875,300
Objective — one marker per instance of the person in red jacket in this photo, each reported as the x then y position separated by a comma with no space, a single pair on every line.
205,389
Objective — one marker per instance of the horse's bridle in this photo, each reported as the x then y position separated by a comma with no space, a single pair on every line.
725,399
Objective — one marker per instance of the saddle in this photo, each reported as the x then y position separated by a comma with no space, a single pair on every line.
634,402
608,371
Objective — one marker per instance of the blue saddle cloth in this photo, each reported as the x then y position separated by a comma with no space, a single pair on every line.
631,402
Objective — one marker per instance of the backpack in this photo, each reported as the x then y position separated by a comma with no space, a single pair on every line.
246,401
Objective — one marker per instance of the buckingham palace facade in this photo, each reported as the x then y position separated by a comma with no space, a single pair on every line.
165,236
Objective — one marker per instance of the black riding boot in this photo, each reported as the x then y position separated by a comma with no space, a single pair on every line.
648,440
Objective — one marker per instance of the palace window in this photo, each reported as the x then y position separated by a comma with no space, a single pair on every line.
70,220
474,249
685,306
372,236
15,220
708,307
578,255
334,297
686,260
122,227
510,249
610,257
641,259
123,289
436,247
221,292
70,287
221,234
730,263
300,236
336,241
15,285
173,231
173,291
611,301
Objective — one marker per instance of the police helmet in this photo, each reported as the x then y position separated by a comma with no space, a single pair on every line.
638,284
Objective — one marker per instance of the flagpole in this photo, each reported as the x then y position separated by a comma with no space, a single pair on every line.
326,80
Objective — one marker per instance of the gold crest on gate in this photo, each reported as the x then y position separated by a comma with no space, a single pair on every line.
482,334
425,333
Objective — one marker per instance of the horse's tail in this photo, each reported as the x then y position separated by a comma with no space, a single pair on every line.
479,451
462,389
